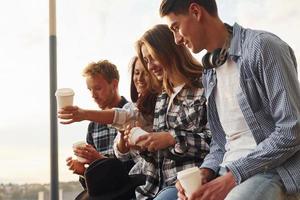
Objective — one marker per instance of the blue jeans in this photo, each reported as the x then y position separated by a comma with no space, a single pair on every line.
168,193
266,186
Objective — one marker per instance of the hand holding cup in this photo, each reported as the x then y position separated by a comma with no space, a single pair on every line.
78,145
71,114
190,180
135,133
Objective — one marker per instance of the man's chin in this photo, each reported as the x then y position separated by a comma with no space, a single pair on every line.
100,105
195,50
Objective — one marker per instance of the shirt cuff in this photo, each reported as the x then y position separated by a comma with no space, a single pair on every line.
236,173
120,117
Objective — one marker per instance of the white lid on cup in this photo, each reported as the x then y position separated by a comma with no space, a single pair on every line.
64,92
79,143
187,172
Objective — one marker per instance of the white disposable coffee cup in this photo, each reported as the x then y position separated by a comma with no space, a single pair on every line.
80,144
64,97
135,133
190,179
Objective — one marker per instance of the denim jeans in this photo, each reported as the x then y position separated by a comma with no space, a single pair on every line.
266,186
168,193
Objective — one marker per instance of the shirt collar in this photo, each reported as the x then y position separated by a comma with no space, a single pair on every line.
122,102
235,48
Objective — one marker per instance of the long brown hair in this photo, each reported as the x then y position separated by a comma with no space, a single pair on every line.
145,101
176,60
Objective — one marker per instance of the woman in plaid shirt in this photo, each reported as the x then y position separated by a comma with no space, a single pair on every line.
180,138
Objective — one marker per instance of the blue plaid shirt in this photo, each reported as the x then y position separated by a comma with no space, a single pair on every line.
102,136
270,103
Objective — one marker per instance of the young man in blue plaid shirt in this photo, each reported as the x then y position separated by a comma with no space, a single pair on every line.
253,94
102,79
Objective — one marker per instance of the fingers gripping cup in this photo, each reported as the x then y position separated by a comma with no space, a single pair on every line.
64,97
135,133
190,179
80,144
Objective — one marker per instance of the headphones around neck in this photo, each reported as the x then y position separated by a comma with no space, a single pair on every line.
219,56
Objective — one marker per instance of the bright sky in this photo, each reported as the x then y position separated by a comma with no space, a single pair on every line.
86,31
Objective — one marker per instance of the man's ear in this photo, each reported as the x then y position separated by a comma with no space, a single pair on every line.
115,84
195,11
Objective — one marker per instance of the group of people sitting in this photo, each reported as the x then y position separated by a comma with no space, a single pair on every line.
236,115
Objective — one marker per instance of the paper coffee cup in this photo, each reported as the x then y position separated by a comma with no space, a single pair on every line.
80,144
190,179
135,133
64,97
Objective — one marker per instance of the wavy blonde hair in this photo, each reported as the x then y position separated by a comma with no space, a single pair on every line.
177,61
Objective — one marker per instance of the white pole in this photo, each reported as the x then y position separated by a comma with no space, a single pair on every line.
53,107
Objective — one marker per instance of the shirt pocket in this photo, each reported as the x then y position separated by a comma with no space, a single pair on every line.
190,113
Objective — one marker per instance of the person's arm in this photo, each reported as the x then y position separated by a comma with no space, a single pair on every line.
121,143
155,141
72,114
77,168
125,155
127,115
275,67
120,154
214,158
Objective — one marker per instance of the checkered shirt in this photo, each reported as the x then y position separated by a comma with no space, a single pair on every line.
186,121
102,136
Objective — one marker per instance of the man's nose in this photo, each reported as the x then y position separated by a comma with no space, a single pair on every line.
178,39
94,95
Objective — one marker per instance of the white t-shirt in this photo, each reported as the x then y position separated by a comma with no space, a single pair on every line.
239,139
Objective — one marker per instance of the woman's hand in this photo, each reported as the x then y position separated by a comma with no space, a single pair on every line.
156,141
122,145
127,135
71,114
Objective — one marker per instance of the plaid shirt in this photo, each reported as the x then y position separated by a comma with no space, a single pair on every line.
186,121
269,101
102,136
